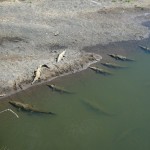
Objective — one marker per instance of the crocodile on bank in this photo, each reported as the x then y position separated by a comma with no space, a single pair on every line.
60,56
37,73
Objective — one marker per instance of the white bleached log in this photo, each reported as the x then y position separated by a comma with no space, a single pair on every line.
2,95
10,111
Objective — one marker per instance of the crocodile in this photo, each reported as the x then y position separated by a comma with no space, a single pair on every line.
146,49
60,56
112,65
28,107
37,73
99,70
96,108
58,89
120,57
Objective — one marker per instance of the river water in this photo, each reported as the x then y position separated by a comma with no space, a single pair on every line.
104,112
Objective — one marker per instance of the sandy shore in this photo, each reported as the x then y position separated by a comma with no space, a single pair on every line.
34,32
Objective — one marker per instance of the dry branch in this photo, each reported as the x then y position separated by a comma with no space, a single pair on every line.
10,111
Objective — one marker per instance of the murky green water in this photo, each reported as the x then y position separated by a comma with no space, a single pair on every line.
105,112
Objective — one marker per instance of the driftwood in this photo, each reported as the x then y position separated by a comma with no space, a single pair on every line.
10,111
2,95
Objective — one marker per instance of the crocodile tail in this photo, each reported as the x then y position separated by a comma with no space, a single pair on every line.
51,113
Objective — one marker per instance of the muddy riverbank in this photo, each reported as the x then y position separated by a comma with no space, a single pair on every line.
35,32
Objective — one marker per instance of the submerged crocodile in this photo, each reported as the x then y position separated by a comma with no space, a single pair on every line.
58,89
112,65
120,57
91,106
147,49
99,70
28,107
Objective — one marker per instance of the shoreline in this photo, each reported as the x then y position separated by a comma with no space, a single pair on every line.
35,33
86,61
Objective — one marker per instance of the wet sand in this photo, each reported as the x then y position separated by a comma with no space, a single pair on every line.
35,32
